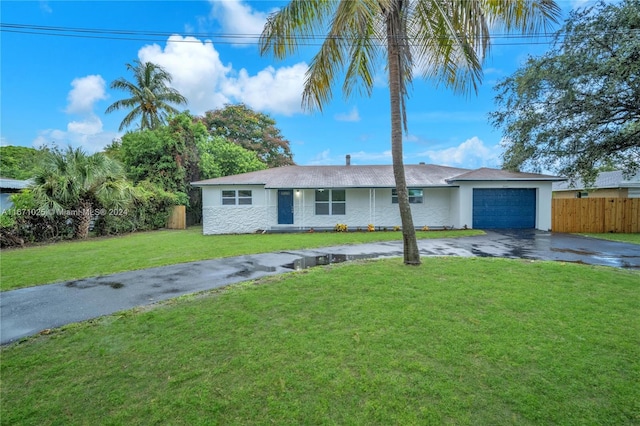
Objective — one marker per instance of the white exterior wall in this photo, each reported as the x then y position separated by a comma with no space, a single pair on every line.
465,201
237,219
441,207
366,206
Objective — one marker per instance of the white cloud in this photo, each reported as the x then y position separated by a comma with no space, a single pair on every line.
239,20
271,90
86,130
92,125
472,153
199,74
87,134
45,7
351,116
85,93
322,159
196,69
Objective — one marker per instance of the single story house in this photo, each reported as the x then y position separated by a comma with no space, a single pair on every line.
319,197
607,185
10,186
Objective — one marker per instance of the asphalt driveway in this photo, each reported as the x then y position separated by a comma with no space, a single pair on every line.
28,311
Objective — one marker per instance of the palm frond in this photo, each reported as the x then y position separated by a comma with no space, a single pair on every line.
150,96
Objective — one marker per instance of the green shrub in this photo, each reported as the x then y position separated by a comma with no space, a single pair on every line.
25,222
149,211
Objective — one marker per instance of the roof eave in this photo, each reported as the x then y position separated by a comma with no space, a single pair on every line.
509,180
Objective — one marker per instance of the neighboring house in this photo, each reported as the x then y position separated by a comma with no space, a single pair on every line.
319,197
607,185
7,187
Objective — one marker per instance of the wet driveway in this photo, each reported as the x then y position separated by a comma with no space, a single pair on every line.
28,311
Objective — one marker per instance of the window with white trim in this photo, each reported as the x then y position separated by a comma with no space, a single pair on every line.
232,197
331,202
415,196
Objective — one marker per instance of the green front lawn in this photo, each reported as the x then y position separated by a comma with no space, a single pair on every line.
455,341
624,238
102,256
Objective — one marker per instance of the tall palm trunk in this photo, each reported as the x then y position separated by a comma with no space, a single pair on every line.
83,219
411,252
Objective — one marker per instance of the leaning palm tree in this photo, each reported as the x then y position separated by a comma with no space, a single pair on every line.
445,40
80,186
150,96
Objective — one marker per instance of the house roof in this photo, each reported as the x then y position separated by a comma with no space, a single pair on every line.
485,173
8,183
614,179
417,175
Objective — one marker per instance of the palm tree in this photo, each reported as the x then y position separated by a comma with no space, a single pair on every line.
150,96
80,186
445,40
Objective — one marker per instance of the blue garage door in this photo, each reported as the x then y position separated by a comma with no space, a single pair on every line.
504,208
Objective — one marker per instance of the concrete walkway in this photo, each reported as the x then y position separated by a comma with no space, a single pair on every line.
28,311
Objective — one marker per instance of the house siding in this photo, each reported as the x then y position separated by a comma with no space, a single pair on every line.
372,206
234,219
447,197
596,193
363,207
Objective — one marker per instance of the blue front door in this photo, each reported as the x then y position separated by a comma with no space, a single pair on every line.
285,206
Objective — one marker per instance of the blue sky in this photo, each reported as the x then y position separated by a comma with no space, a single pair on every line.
55,83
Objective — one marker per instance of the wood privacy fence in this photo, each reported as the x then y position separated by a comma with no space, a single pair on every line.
621,215
177,218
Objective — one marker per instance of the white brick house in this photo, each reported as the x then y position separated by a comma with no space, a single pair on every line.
319,197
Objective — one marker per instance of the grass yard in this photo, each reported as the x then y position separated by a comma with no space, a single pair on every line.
102,256
454,341
623,238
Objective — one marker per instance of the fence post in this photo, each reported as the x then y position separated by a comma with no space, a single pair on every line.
177,218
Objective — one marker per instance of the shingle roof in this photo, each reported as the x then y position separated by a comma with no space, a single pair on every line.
485,173
614,179
8,183
417,175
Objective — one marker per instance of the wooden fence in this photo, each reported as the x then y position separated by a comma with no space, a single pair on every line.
177,218
598,215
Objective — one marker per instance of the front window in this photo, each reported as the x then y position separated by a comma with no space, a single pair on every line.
415,196
239,197
331,202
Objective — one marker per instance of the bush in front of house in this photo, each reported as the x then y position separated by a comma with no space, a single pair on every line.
25,222
150,210
341,227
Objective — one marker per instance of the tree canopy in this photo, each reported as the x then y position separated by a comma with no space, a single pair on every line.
443,39
20,162
219,157
170,157
576,109
251,130
166,156
150,98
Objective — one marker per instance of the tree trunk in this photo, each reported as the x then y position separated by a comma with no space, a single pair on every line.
83,219
410,243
